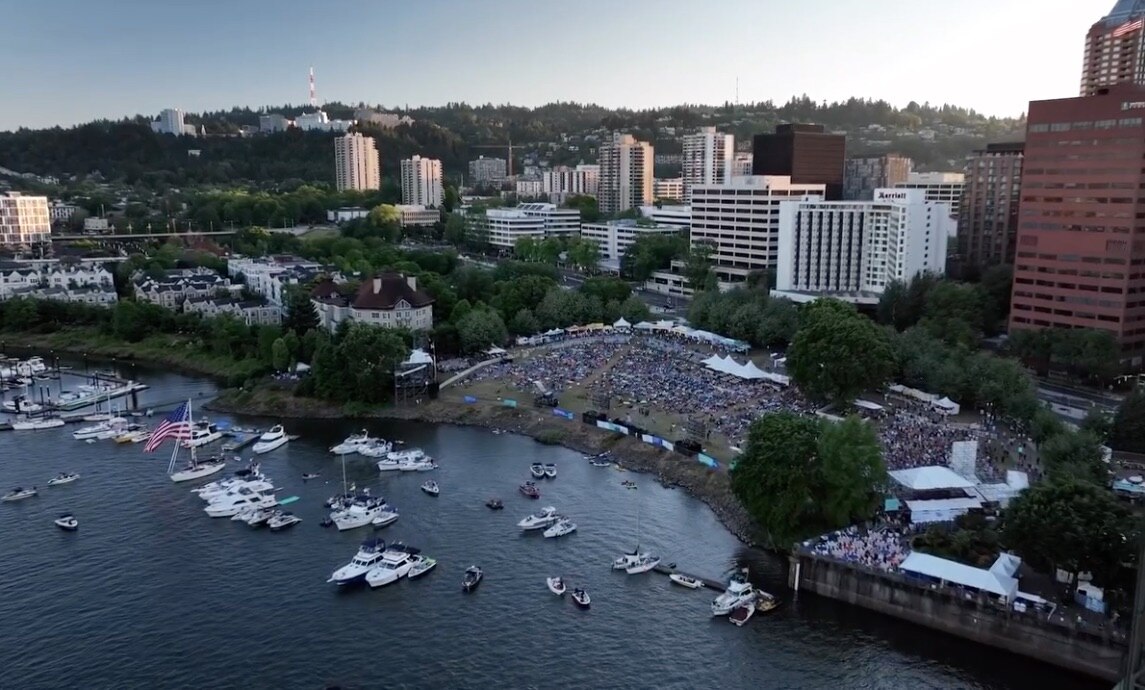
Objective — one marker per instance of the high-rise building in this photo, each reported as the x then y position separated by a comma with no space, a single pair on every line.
854,249
671,188
24,220
988,220
356,163
591,178
625,174
1079,253
805,153
421,181
741,164
740,221
708,159
563,182
488,172
864,174
1115,48
940,187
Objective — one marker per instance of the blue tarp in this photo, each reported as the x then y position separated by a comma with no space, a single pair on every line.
707,460
508,403
470,399
558,412
890,505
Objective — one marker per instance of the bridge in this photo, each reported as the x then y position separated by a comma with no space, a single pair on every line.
140,235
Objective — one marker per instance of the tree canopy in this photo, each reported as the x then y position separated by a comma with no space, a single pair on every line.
837,353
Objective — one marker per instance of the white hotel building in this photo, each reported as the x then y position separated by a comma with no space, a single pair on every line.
504,226
615,237
24,220
852,250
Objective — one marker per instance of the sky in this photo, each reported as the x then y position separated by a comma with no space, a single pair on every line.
71,61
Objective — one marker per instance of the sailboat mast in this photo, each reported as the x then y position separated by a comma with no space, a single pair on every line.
191,431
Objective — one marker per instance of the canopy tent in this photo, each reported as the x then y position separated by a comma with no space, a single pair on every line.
868,405
553,332
930,478
751,371
956,573
621,323
496,352
420,356
946,406
777,379
594,327
940,510
643,326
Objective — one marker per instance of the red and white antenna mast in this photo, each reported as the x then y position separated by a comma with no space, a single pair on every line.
313,98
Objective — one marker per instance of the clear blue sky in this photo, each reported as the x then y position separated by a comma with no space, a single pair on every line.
68,61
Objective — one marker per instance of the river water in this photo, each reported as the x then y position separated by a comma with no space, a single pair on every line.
153,593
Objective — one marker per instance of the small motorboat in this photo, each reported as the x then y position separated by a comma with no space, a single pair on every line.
67,522
498,432
550,470
686,581
530,489
600,463
473,577
63,478
494,504
431,488
580,598
628,484
765,603
538,470
385,518
742,614
556,585
421,566
643,565
560,528
307,476
598,456
19,494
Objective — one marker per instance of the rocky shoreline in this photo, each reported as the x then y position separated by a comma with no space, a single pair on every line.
672,470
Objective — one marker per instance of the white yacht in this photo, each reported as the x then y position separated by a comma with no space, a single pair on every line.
202,433
63,478
95,430
387,465
738,593
376,448
385,518
397,560
643,565
629,559
281,520
274,438
369,554
352,444
220,486
228,506
19,494
560,528
198,470
421,566
261,485
21,405
34,424
358,514
541,520
425,464
408,455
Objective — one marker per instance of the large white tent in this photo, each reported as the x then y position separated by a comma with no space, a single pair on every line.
930,478
946,406
995,582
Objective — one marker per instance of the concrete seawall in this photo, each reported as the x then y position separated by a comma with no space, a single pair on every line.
1094,653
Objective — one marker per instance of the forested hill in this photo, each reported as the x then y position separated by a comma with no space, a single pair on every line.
562,133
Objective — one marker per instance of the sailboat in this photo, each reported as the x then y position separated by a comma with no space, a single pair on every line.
635,562
177,425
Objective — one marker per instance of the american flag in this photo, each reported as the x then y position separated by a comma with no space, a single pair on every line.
175,425
1127,27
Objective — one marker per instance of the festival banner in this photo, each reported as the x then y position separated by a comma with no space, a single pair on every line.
558,412
707,460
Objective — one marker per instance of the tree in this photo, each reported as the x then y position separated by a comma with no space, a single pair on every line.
838,353
479,329
606,288
301,316
778,323
280,358
587,205
634,310
524,323
650,253
455,229
1076,455
953,312
584,254
698,267
996,284
1098,423
1128,432
1069,524
853,466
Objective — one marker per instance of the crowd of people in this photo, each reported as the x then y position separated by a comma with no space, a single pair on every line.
883,548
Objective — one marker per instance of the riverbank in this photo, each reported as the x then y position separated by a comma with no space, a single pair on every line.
711,486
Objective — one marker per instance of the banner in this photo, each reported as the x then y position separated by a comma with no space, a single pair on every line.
707,460
558,412
508,403
470,399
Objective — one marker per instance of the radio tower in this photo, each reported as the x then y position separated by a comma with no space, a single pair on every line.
313,98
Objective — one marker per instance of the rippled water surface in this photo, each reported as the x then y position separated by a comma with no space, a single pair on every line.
153,593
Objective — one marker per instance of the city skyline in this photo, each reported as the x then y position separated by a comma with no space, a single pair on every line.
260,53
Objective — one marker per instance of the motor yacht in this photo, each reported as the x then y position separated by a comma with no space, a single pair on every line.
425,464
738,593
397,560
352,444
21,405
541,520
560,528
19,494
369,554
580,598
643,565
113,424
256,517
530,489
473,577
343,501
260,485
385,518
537,470
685,581
357,514
410,454
37,424
431,488
421,566
387,465
376,448
228,506
63,478
202,434
67,522
198,470
221,486
629,559
556,585
550,470
274,438
281,520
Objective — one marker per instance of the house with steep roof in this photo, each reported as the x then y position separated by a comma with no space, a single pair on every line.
388,300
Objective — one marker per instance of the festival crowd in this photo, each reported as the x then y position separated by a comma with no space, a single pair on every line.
883,548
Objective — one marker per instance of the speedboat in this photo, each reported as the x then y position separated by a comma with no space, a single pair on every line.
281,520
629,559
385,518
19,494
357,514
306,476
375,448
387,465
598,456
541,520
431,488
556,585
742,614
530,489
202,434
580,598
425,464
198,470
396,563
353,443
686,581
67,522
473,577
229,505
599,463
369,554
643,565
560,528
63,478
117,430
275,438
738,593
33,424
408,455
84,433
537,470
550,470
138,435
421,566
494,504
256,517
